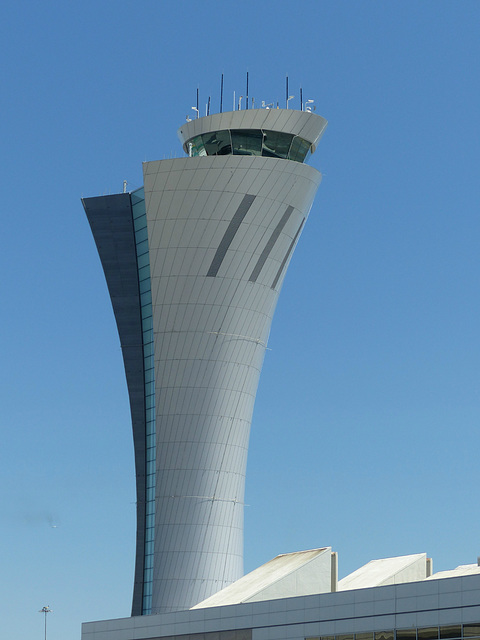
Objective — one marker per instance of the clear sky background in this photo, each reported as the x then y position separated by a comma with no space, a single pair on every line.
366,428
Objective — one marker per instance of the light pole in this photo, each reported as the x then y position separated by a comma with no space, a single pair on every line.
45,610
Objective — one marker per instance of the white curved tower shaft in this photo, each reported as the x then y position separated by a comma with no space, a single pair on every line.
194,264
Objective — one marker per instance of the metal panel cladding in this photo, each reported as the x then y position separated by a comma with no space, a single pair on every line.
220,232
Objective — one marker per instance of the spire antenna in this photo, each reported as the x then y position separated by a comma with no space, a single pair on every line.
221,94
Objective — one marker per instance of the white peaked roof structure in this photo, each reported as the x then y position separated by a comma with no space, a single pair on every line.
461,570
377,573
291,574
315,571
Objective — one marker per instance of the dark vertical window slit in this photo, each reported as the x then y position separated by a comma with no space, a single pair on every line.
229,234
287,255
270,244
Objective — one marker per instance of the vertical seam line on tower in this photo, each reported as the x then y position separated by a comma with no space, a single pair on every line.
229,234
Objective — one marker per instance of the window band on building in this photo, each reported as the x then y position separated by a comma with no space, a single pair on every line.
250,142
449,632
143,263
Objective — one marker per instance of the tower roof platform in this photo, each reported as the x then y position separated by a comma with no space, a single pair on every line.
304,124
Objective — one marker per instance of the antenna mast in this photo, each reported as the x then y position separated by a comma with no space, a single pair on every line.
247,92
221,95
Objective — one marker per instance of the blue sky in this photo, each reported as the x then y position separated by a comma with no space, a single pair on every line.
365,432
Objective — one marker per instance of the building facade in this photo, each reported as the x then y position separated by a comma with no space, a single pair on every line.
392,599
194,262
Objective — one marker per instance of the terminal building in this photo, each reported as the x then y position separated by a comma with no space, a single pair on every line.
194,262
297,596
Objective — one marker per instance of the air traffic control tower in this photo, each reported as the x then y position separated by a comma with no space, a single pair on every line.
194,262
